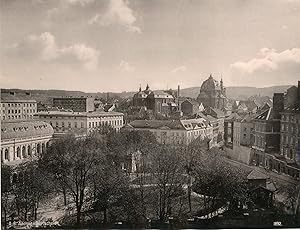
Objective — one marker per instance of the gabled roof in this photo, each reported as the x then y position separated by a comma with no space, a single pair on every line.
191,101
233,117
266,115
216,112
295,108
256,175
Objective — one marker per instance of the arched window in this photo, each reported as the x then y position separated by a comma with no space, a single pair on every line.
29,150
18,152
24,151
6,154
38,148
43,148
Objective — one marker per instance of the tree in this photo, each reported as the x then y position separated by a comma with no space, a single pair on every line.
220,182
6,192
292,200
109,184
29,188
167,174
74,163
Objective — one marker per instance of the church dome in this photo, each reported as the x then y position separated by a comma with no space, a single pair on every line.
210,84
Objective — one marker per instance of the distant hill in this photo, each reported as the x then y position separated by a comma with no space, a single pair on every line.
238,93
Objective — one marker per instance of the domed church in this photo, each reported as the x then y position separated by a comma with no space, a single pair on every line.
212,93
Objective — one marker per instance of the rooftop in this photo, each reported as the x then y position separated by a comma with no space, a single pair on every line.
17,97
79,114
24,129
295,108
188,124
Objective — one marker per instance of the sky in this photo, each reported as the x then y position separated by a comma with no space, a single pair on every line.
118,45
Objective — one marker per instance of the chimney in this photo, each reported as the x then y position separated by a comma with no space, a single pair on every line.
298,90
278,104
12,93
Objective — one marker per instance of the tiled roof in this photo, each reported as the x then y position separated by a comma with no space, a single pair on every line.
18,97
219,113
295,108
192,101
25,129
170,124
79,114
266,115
255,175
160,94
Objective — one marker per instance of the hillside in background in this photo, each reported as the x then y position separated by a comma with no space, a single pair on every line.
237,93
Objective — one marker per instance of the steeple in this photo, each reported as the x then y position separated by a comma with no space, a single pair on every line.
147,87
221,83
140,89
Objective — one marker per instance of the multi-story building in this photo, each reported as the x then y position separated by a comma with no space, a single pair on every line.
267,133
191,107
80,123
139,99
212,93
217,123
246,130
276,145
290,131
22,140
161,102
175,132
17,106
76,104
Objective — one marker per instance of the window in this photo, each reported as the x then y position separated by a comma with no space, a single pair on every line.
69,124
82,125
89,124
6,154
75,124
63,124
56,124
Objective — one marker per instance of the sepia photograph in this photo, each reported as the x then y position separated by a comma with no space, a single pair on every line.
150,114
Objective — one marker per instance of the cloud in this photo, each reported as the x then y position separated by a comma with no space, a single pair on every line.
118,13
179,69
270,60
79,2
126,67
44,47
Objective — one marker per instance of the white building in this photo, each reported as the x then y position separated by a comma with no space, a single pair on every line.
17,106
80,123
22,140
175,131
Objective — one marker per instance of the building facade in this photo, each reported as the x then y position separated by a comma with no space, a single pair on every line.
191,107
76,104
212,93
22,140
276,138
17,106
175,132
80,123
